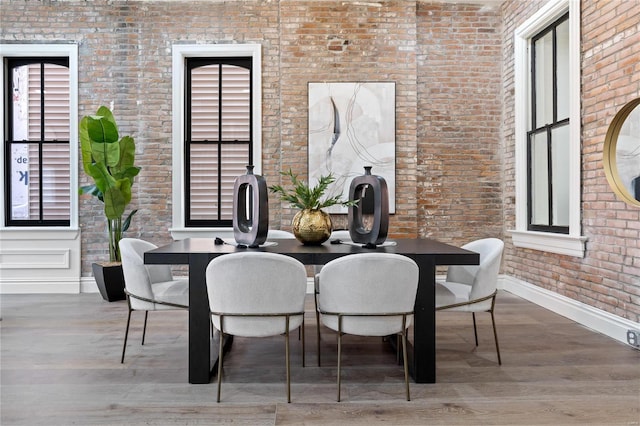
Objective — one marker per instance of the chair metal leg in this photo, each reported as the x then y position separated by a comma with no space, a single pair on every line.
126,334
317,327
303,348
406,363
339,360
144,328
286,357
475,330
495,336
220,355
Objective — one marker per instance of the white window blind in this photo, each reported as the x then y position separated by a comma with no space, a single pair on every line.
219,138
46,187
55,156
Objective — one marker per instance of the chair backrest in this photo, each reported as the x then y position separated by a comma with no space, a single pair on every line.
368,283
139,277
256,283
483,277
341,234
277,234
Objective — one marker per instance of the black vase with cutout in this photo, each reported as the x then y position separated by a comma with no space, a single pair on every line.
250,209
369,219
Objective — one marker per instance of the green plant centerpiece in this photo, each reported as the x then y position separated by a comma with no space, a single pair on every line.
109,160
311,225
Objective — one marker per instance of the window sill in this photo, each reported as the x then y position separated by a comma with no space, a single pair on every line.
553,243
38,233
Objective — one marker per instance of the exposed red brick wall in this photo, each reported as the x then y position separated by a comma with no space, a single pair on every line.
343,41
608,277
460,107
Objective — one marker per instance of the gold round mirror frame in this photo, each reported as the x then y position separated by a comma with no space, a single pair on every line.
609,154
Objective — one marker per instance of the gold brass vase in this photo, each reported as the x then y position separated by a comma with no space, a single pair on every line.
311,227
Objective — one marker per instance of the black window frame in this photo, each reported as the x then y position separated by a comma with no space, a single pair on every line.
546,128
9,64
190,64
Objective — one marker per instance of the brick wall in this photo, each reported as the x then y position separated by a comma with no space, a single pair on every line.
342,41
459,104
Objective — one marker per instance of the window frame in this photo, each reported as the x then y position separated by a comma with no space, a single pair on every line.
219,142
537,128
43,51
180,53
572,243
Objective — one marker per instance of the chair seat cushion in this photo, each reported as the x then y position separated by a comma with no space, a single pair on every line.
175,291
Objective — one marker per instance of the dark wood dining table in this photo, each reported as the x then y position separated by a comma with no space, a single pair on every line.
427,253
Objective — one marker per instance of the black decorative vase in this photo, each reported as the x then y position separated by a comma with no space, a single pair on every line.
110,281
373,194
250,209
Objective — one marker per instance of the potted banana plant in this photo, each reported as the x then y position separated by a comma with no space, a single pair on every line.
109,160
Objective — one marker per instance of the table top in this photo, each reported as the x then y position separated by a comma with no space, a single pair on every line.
179,252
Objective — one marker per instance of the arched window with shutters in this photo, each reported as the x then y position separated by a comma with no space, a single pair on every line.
217,132
37,135
218,138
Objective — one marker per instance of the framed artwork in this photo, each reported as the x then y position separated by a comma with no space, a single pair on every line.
352,125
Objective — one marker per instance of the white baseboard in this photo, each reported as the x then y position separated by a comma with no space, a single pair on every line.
35,286
596,319
88,285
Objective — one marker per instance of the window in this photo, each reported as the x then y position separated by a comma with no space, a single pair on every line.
216,131
39,136
218,136
547,130
548,138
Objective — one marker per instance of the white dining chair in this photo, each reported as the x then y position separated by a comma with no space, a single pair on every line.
256,294
148,287
473,288
369,294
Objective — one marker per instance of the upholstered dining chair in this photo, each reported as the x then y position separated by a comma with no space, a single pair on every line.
342,235
256,294
473,288
369,294
148,287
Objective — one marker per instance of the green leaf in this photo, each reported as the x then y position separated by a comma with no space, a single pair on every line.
126,153
107,153
102,130
127,221
114,203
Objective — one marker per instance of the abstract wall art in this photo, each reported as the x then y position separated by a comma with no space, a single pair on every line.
352,125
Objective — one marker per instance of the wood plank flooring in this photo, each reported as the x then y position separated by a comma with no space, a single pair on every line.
60,365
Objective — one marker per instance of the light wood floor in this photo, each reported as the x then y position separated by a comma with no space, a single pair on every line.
60,365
